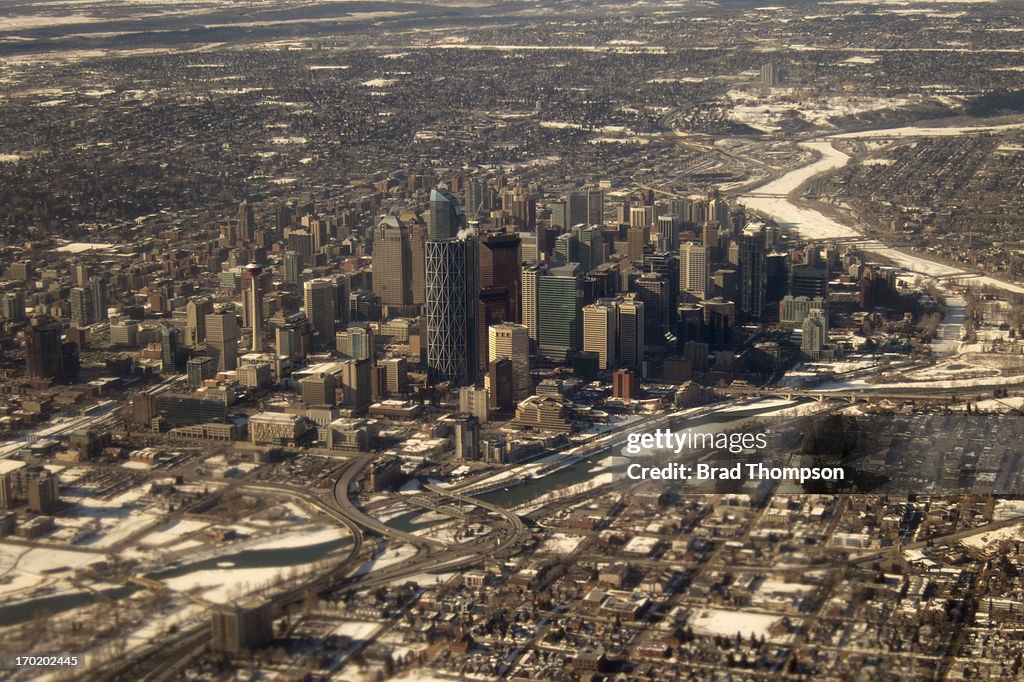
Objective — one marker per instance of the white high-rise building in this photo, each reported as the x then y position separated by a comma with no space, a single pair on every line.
693,270
511,341
530,276
815,333
641,216
599,331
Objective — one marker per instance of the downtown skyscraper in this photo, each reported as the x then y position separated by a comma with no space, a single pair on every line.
392,262
451,310
452,293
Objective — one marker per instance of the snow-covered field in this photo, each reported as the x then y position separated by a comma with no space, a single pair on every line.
728,623
560,543
357,629
23,568
389,557
223,584
994,537
757,111
173,531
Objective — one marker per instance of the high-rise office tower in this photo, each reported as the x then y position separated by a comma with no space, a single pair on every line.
668,232
590,247
814,332
222,339
355,342
255,295
82,307
301,242
718,209
392,262
396,376
417,246
43,349
567,248
809,280
12,306
752,252
776,278
595,207
199,369
693,270
446,219
641,216
512,341
317,232
246,221
342,298
559,214
196,311
477,197
452,293
630,326
492,308
293,267
528,248
599,331
578,209
319,298
653,290
530,274
362,306
500,269
282,217
170,349
98,285
292,335
355,383
719,321
558,317
242,627
524,211
636,240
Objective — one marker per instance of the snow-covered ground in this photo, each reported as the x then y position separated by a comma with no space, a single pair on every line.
387,558
173,531
357,629
23,569
952,328
224,584
728,623
766,113
1008,509
560,543
305,537
994,537
425,579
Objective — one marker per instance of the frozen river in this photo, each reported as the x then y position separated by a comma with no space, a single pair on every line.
773,200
